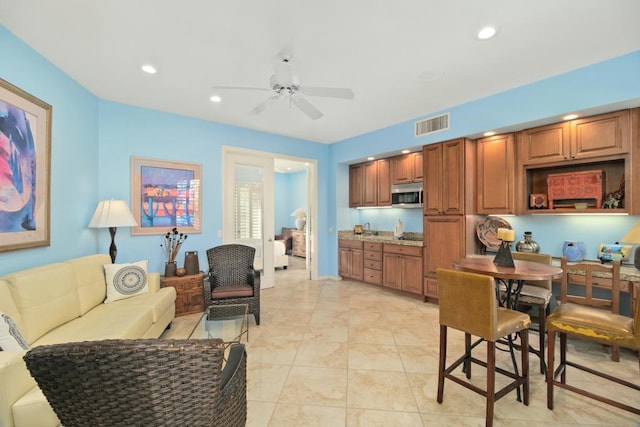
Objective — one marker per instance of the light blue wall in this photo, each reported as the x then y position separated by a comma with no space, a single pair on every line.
74,154
290,194
606,83
127,131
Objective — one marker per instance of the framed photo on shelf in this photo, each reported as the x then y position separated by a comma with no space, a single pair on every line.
25,169
165,194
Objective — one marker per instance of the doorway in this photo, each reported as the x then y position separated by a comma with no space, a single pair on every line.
249,196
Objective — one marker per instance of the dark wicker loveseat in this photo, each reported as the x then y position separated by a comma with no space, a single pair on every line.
145,382
232,278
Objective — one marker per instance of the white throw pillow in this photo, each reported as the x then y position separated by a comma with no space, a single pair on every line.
10,336
126,280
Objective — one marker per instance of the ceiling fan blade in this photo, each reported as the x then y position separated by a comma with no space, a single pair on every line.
306,107
329,92
242,88
264,104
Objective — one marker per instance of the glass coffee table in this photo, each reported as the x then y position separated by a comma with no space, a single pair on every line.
227,322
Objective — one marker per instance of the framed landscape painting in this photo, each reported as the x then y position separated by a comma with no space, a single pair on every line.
165,194
25,165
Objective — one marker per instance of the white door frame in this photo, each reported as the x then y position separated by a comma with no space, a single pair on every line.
312,202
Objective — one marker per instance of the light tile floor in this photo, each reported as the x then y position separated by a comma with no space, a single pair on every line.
343,353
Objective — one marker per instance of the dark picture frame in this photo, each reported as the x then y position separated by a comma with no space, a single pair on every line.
165,194
25,169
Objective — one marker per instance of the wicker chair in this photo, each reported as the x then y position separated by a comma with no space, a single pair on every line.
145,382
232,278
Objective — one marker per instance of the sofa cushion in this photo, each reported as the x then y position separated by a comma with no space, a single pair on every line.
32,409
231,291
126,280
90,283
122,320
10,336
45,296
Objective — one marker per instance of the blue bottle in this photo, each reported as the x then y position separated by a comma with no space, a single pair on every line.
574,251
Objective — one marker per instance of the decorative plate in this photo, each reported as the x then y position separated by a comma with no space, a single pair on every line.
487,231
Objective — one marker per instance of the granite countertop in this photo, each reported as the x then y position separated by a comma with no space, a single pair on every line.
410,239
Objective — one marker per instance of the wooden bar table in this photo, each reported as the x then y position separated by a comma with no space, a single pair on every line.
512,278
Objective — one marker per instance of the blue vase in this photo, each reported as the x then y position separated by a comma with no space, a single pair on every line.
574,251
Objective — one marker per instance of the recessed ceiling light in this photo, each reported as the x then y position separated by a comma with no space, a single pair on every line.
490,133
487,32
371,158
215,98
149,69
570,117
405,151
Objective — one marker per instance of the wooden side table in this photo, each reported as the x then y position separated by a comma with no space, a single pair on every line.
299,243
189,292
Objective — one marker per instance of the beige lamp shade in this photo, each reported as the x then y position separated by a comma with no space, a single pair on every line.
299,213
633,236
112,214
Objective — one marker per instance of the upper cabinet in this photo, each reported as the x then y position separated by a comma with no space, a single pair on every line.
591,137
356,185
495,175
407,168
446,168
377,183
587,164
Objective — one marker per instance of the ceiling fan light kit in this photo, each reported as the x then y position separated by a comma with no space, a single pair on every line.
284,84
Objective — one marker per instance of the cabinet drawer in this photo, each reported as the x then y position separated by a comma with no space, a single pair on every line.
370,246
373,276
354,244
371,264
375,256
403,250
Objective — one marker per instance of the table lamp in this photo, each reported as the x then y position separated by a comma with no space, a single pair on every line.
301,218
111,214
503,257
633,236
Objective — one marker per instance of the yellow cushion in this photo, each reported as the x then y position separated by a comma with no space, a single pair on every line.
594,324
89,277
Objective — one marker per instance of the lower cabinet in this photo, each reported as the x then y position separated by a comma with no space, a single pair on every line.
402,268
444,242
373,263
350,259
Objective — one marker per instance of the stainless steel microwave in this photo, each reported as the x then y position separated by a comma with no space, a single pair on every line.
406,195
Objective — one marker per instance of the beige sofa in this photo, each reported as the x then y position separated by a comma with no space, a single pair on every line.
63,302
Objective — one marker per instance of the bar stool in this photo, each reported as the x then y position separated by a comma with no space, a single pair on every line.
468,303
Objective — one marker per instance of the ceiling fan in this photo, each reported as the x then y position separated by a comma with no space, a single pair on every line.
284,84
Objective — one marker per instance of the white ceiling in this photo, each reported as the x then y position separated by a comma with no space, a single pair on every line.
402,58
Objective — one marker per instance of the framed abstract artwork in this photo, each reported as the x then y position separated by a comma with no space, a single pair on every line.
165,194
25,169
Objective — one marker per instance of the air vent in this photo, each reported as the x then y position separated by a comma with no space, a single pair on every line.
432,124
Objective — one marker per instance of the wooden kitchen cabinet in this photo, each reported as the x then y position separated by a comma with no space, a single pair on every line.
402,267
377,183
444,242
189,292
372,271
580,139
407,168
447,167
350,259
495,175
356,185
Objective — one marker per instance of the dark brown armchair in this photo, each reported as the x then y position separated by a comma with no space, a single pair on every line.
145,382
232,278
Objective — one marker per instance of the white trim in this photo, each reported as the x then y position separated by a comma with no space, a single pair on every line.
312,199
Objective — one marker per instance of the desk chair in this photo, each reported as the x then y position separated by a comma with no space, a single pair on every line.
536,293
579,289
468,303
586,322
